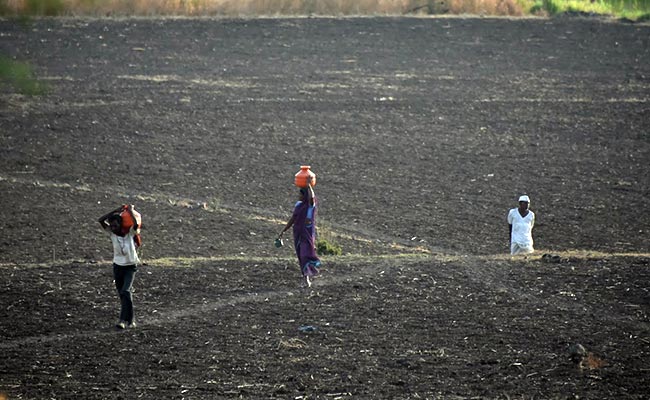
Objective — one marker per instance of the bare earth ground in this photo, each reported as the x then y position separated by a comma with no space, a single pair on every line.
423,132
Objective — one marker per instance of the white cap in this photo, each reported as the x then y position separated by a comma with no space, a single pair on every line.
524,198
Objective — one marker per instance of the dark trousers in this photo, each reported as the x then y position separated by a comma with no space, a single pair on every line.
124,275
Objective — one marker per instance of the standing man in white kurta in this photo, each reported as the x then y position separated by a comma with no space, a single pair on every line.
521,221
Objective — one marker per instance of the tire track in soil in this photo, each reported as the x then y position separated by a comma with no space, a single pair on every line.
171,316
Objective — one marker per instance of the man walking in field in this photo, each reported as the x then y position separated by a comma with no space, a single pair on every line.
125,259
521,221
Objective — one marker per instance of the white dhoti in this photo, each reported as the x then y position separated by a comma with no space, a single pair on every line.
517,248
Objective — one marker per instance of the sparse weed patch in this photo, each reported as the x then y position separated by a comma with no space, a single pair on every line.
20,76
327,248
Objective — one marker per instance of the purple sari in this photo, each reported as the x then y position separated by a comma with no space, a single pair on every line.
304,237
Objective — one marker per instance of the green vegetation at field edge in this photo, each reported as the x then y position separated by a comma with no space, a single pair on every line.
20,76
637,10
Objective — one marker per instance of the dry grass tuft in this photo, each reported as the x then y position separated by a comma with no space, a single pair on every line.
293,343
485,7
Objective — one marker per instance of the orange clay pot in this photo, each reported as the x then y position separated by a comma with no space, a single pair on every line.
127,221
302,177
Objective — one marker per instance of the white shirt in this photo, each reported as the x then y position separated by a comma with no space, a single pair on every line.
522,227
124,252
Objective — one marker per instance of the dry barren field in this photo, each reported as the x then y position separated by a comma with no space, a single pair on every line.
422,132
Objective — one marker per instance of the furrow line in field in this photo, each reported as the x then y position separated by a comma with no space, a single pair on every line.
172,316
186,202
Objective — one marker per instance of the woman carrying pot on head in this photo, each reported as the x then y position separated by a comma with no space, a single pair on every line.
303,221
